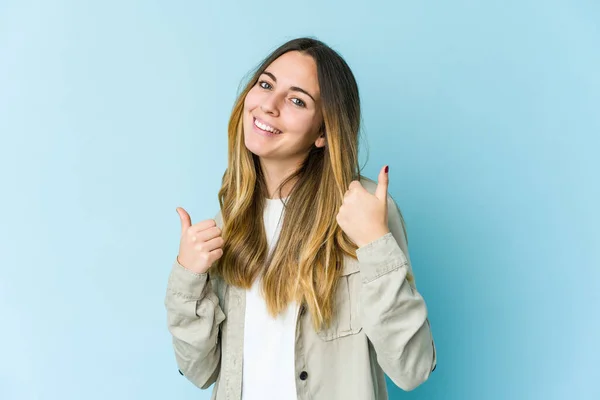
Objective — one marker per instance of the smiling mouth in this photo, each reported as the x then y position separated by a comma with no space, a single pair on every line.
264,127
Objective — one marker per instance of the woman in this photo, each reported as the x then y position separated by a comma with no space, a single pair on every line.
301,286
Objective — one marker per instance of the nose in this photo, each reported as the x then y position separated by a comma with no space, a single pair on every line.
270,105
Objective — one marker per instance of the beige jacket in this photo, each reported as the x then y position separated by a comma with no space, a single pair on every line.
381,326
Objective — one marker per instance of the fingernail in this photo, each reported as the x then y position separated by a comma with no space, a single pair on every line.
387,168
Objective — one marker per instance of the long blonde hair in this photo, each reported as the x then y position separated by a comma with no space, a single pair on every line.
308,258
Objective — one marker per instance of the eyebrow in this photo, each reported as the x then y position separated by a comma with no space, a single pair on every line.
294,88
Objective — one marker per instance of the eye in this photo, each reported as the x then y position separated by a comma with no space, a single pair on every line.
264,85
298,102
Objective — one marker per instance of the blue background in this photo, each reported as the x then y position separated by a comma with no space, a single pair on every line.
114,113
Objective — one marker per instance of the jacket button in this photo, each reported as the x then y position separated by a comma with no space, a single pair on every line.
303,375
181,373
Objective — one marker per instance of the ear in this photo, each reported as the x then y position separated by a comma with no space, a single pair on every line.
321,141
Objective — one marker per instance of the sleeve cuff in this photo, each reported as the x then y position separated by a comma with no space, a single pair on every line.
379,257
186,283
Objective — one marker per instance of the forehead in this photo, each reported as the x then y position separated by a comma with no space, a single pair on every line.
296,69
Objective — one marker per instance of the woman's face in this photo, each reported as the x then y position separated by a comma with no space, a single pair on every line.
282,112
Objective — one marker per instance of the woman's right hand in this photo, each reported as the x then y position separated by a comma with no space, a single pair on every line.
201,244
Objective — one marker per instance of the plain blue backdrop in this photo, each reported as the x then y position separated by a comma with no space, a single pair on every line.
114,113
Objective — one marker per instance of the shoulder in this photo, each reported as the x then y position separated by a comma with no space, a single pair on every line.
219,219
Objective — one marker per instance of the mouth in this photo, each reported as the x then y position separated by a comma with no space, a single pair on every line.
264,127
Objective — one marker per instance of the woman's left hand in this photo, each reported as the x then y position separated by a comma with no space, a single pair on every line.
363,216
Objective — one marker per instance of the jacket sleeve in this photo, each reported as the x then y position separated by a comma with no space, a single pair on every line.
194,317
393,313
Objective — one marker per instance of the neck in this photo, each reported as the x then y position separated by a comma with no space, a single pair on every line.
275,172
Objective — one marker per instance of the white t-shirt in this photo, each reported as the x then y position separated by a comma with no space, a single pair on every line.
269,343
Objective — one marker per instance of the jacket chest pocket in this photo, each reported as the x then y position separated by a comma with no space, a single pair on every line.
345,320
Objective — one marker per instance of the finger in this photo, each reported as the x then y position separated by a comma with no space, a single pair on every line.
214,255
186,221
213,244
382,184
206,234
203,225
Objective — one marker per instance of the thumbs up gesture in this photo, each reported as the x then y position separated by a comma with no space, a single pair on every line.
363,216
201,244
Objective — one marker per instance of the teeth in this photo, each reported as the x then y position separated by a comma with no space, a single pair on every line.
265,127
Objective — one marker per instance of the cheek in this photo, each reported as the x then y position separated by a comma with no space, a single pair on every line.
251,100
305,123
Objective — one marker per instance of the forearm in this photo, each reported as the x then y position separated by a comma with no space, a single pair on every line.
194,317
394,314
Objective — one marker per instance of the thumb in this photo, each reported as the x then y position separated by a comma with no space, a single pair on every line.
186,221
382,184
